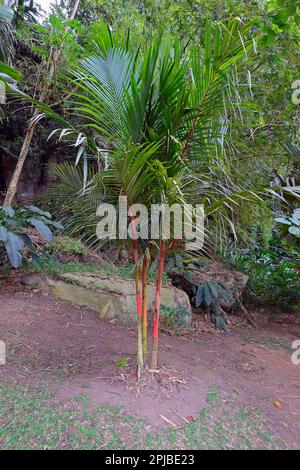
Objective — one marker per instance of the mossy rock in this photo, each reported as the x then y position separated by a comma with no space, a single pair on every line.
111,296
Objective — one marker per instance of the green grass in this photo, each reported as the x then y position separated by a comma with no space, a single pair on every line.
32,419
53,267
35,419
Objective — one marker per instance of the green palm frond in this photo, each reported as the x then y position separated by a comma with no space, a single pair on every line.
166,116
102,38
6,35
9,72
211,85
102,84
129,175
76,209
6,14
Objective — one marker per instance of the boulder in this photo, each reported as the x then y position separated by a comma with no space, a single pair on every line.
224,285
232,280
113,297
216,271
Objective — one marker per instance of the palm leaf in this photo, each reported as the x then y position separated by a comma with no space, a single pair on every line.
6,35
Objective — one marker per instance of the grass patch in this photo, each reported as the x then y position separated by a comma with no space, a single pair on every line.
34,419
54,267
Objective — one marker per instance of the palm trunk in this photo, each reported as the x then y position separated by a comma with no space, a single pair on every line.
53,61
139,355
145,309
154,356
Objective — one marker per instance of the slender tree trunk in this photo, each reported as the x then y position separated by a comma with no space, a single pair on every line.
12,187
138,295
154,356
140,362
145,308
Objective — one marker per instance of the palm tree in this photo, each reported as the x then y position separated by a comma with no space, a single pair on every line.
130,175
164,113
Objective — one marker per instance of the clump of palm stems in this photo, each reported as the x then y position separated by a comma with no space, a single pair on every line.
165,116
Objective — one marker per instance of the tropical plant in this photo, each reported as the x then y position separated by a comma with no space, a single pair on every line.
67,245
6,45
13,234
273,276
53,59
6,35
165,116
291,224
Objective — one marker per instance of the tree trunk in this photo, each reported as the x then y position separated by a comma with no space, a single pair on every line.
140,362
139,355
154,356
12,187
145,309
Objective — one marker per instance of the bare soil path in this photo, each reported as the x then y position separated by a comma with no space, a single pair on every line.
72,351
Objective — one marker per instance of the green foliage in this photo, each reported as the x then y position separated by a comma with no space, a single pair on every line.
168,319
173,317
178,260
38,420
75,208
161,123
291,223
131,92
6,35
67,245
273,277
7,73
48,264
122,363
13,236
207,292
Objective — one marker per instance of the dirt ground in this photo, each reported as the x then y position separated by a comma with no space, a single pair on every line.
70,349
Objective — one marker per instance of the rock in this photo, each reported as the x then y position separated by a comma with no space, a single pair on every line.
233,281
228,284
215,271
111,296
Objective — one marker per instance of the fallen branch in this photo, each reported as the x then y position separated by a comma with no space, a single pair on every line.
168,421
180,416
247,315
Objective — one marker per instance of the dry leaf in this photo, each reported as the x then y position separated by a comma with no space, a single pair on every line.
278,404
191,418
